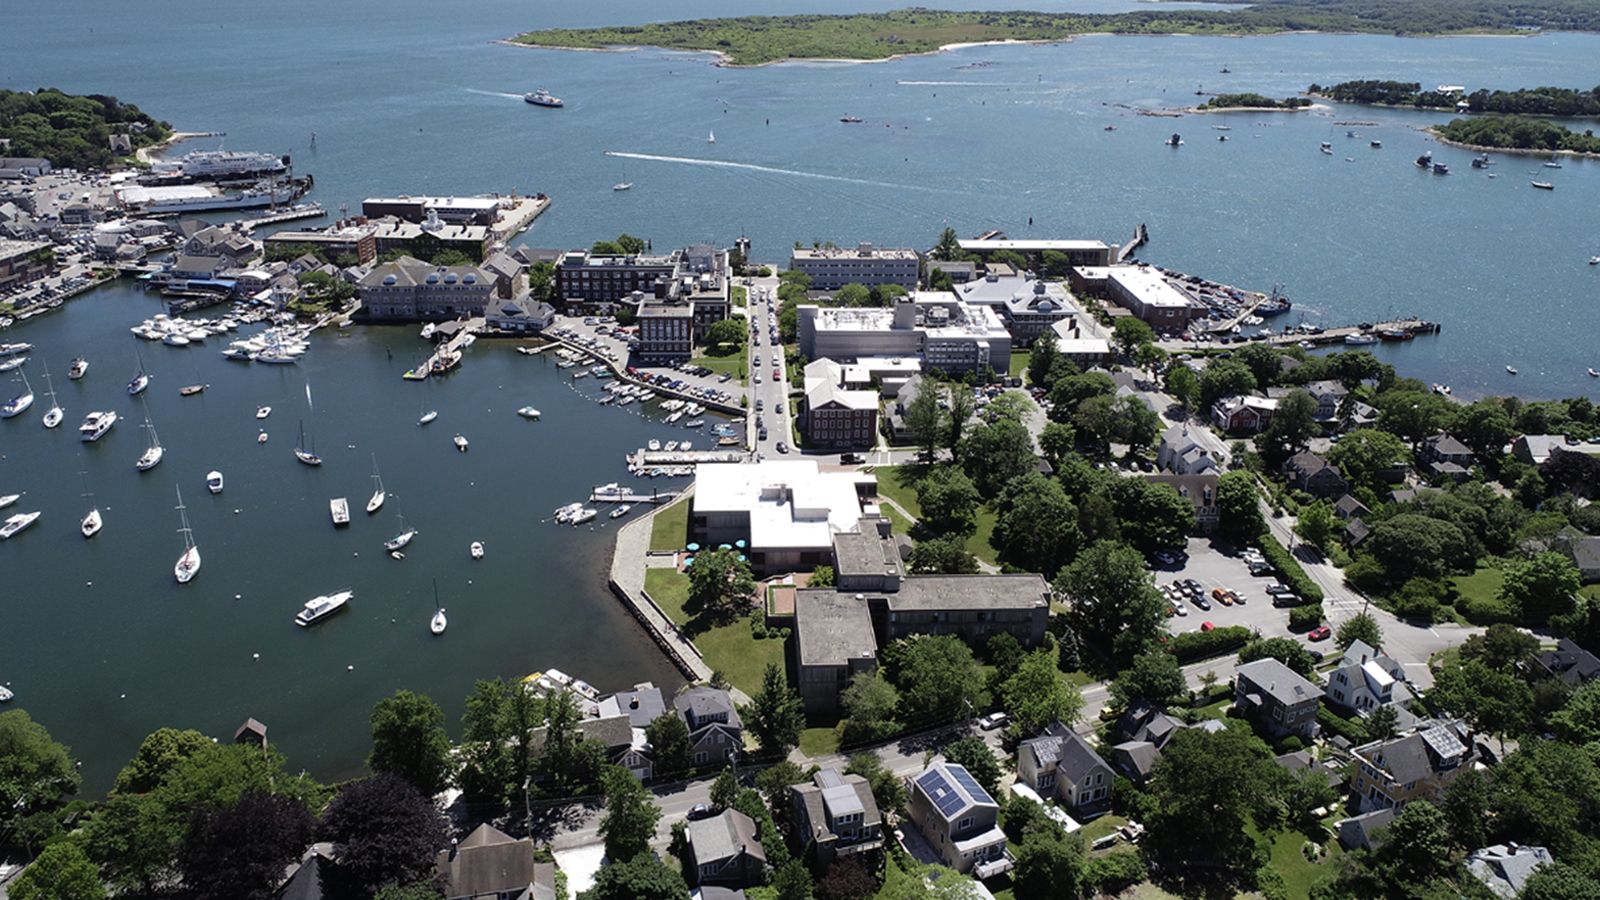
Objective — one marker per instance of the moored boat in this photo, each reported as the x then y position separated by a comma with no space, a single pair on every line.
476,550
96,424
461,443
339,509
78,369
528,412
214,481
188,564
15,524
319,608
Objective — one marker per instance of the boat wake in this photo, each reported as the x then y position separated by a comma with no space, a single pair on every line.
771,170
968,83
493,94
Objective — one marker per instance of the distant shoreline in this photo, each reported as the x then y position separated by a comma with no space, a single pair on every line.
146,155
1433,131
722,59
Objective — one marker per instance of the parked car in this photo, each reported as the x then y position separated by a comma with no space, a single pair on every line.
992,721
782,447
1207,626
699,811
851,458
1320,633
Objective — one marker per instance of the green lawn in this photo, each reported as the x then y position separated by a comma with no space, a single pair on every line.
815,742
1592,590
1299,873
1019,362
739,294
727,648
670,529
1101,827
735,364
978,542
1484,584
902,525
895,482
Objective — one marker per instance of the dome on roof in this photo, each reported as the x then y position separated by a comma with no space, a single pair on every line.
469,279
433,278
450,278
388,279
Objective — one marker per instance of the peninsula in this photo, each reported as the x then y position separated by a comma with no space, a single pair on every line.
1539,101
1516,133
757,40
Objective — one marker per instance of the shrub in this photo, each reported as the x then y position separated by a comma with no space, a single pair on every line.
1351,729
1112,873
1193,645
1288,569
1305,618
1484,610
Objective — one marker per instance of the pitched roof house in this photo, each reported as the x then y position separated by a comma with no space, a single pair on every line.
1392,773
1366,679
713,720
1060,762
836,815
959,820
1181,454
1505,868
1570,663
492,865
724,850
1306,471
1275,696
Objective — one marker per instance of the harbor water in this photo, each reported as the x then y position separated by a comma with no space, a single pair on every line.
411,97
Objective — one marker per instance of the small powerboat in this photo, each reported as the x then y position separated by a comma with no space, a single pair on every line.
476,550
214,481
461,443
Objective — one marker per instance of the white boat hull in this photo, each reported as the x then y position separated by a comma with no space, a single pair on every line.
188,566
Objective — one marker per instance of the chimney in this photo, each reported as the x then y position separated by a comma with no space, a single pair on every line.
454,846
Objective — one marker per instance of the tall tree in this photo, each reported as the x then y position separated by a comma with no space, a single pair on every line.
1416,846
791,881
871,706
973,754
409,740
724,790
1050,863
1541,587
558,758
486,773
949,501
1038,526
631,816
1366,454
887,788
1315,524
961,409
1130,334
1238,509
1037,694
383,831
36,772
943,556
1286,650
160,752
60,872
938,678
1225,378
1293,425
949,246
1493,702
642,877
1057,441
996,452
1042,359
1184,385
720,583
669,740
1113,599
1360,627
925,419
775,714
1152,516
1207,787
241,851
1153,677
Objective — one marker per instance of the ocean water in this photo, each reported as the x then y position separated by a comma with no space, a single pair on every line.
411,97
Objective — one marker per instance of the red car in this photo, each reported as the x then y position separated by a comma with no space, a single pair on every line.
1207,626
1320,633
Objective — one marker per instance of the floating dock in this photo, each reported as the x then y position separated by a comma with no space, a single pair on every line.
631,497
448,354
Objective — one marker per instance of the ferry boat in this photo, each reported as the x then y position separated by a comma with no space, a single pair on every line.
542,97
96,424
320,608
17,523
218,165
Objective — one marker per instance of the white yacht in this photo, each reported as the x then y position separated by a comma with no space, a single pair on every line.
96,424
583,515
339,508
14,349
542,97
461,443
140,381
214,481
15,362
438,624
528,412
379,495
320,608
263,411
8,499
91,524
78,369
476,549
153,450
428,416
564,515
188,564
16,523
620,511
402,539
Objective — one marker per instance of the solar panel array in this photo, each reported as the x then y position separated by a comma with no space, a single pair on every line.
968,784
1443,741
945,797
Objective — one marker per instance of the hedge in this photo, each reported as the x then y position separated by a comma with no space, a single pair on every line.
1289,570
1351,729
1305,618
1192,645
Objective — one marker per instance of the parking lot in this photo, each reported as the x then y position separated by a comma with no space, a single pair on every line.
586,332
1214,569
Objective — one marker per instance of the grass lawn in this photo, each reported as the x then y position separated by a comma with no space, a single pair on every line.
902,525
1592,590
735,365
1483,584
739,294
815,742
978,542
670,529
1019,362
728,648
896,483
1299,873
1101,827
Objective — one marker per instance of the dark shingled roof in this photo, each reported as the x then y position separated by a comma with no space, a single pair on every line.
1073,756
490,862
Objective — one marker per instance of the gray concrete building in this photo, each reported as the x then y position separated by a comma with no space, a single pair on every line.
831,268
409,290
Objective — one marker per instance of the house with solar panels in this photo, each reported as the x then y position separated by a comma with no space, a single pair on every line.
959,820
1420,765
835,816
1060,763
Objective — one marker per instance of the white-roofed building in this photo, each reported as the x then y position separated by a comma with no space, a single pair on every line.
1028,307
1146,293
1366,679
831,268
936,326
1084,352
787,511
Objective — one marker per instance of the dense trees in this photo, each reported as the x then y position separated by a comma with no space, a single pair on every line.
1153,677
943,556
1036,694
669,741
937,676
993,453
949,500
1516,132
630,818
383,832
871,706
61,872
720,583
1539,588
241,851
1207,787
1364,455
974,754
36,777
409,740
73,131
641,877
1151,516
1113,599
1037,526
1238,507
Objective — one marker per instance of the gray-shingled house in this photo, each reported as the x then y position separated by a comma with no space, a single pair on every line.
1277,699
714,725
834,816
1061,763
724,850
493,865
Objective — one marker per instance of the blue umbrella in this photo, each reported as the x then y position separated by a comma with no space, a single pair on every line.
693,547
739,544
741,557
688,562
725,547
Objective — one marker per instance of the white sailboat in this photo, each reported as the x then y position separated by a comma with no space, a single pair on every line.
400,540
624,184
53,415
711,138
303,452
153,451
438,623
378,493
90,526
188,564
19,404
140,380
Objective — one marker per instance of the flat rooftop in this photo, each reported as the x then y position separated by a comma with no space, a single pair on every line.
477,203
832,628
12,249
791,503
1149,286
947,592
864,251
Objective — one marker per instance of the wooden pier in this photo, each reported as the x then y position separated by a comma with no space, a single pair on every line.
448,354
631,497
302,211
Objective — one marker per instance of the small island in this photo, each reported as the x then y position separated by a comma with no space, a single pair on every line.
1516,133
1539,101
1252,103
73,131
757,40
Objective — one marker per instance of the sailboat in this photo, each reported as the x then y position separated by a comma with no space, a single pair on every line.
378,494
425,415
188,564
624,184
90,526
303,453
403,538
711,138
141,380
153,450
437,625
53,415
19,404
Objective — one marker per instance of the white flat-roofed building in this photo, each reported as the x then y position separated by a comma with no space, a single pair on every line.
455,210
935,326
1028,307
831,268
1146,293
1078,253
886,374
787,510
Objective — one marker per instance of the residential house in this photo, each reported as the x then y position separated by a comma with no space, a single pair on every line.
1306,471
1329,395
895,422
835,816
1181,454
1418,765
1537,449
1060,762
510,279
715,730
1355,531
1243,414
1277,699
1137,755
1201,491
492,865
1366,679
1364,831
306,876
1447,457
724,850
1349,507
959,820
1570,663
225,241
1505,868
1583,550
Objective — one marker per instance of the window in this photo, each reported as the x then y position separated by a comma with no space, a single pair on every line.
965,823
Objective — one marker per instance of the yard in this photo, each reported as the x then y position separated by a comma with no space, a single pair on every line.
670,529
728,647
898,483
1019,362
1299,873
733,365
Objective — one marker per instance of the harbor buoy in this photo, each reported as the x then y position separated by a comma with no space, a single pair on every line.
349,668
238,596
255,656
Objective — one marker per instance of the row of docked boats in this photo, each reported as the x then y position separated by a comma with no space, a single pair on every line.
278,345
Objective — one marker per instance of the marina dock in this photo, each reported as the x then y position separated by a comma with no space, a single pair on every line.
448,354
299,211
632,497
519,217
1141,236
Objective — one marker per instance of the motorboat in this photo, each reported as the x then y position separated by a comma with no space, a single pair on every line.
188,564
542,97
694,423
1327,148
263,411
1552,164
302,452
1481,161
1175,141
1594,374
711,138
261,438
189,390
214,481
438,623
428,416
622,186
91,524
375,502
17,523
653,444
1511,370
339,509
5,694
319,608
583,515
528,412
78,369
476,549
15,362
1425,160
461,443
8,499
1441,169
1376,145
850,120
1594,260
1543,185
174,339
95,425
620,511
1360,340
15,348
563,515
